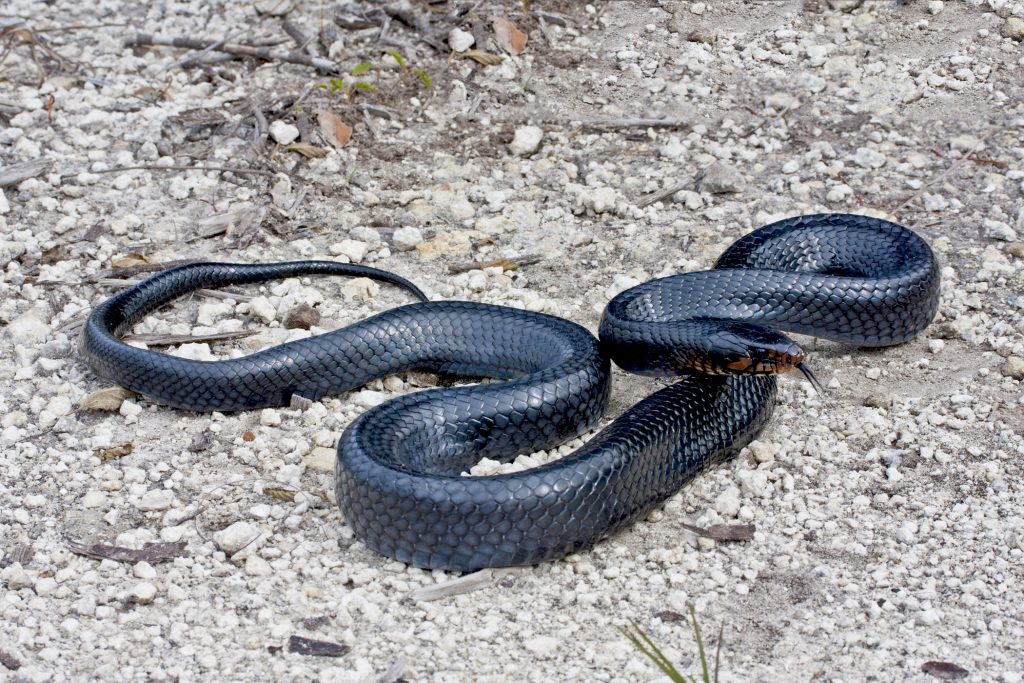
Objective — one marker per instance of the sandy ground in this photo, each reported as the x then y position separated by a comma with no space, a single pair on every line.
889,514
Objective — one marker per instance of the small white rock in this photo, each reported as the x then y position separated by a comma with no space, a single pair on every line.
620,283
94,499
459,40
542,646
526,140
367,398
257,566
936,345
263,309
237,536
270,417
144,570
407,238
156,500
935,6
353,249
45,585
144,593
283,133
873,373
727,503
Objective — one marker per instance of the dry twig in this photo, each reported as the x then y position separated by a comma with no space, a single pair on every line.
147,39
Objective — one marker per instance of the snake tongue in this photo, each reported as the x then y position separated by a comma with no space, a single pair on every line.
815,384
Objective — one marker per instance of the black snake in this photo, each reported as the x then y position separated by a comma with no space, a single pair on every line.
399,482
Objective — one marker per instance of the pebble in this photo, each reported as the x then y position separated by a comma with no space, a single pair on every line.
873,373
936,345
283,133
156,500
727,503
30,328
620,283
354,250
239,535
407,238
321,459
1013,367
257,566
459,40
526,140
543,646
1013,27
261,307
301,317
144,592
720,178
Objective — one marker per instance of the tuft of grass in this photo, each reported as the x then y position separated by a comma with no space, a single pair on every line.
642,642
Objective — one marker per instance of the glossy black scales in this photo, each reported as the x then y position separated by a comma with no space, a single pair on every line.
399,471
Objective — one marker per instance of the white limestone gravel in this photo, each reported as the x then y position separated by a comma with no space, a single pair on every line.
888,514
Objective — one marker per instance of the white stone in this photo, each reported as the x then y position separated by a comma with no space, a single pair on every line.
543,646
936,345
144,593
727,503
34,500
935,6
526,140
212,311
620,283
94,499
459,40
257,566
236,537
156,500
15,577
698,8
865,157
407,238
367,398
354,250
873,373
601,199
45,585
283,133
29,328
263,309
10,250
144,570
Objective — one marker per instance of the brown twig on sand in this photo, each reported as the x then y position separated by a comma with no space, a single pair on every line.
664,193
609,123
506,263
175,339
267,54
19,34
220,169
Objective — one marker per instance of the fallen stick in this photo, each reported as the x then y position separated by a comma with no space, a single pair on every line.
23,170
635,123
155,339
664,193
232,49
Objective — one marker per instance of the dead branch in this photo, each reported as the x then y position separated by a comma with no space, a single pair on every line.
664,193
155,339
147,39
610,124
15,173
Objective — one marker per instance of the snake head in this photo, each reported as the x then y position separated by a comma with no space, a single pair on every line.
740,348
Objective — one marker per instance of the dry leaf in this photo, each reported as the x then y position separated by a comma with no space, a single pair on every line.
307,150
286,495
116,452
129,260
107,400
336,131
485,58
509,37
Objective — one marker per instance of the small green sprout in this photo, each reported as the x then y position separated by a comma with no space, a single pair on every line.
362,68
424,78
642,642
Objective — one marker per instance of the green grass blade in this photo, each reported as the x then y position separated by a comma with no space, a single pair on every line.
700,646
654,653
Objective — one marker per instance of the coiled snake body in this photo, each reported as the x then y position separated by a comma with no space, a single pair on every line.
853,279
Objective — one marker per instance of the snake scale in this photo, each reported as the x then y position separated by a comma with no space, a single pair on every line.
400,465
